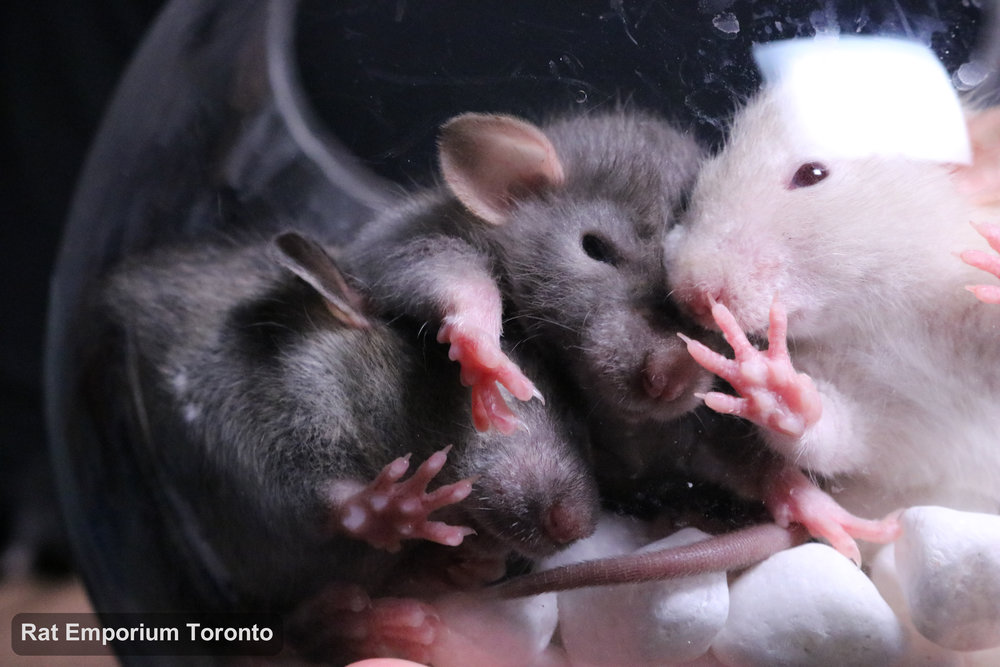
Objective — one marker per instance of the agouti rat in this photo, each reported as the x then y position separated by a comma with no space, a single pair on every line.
558,228
888,386
285,415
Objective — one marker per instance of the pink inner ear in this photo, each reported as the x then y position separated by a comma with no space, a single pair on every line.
492,162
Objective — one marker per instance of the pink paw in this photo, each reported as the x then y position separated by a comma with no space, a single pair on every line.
794,498
396,628
771,393
387,511
342,621
985,261
484,365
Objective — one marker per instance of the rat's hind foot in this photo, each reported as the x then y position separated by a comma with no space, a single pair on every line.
771,393
484,366
985,261
388,510
396,628
342,623
794,498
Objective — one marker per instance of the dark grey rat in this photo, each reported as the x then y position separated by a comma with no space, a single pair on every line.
284,416
561,228
561,225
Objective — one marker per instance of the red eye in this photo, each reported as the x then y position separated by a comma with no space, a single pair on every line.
808,174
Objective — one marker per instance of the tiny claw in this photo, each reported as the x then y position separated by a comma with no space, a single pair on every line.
480,413
724,403
490,409
452,536
449,494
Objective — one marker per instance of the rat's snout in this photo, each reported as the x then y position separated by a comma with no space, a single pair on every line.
669,373
565,522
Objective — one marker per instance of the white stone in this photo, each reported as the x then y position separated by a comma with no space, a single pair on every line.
658,623
496,633
949,571
808,606
920,651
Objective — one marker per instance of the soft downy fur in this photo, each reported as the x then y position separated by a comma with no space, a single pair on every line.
247,389
866,264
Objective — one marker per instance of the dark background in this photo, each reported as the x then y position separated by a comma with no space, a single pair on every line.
59,64
383,74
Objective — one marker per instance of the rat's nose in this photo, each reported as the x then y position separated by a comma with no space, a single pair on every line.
563,523
669,372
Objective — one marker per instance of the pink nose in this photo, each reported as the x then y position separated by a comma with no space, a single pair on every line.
563,523
670,374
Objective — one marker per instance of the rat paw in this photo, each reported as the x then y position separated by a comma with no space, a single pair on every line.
489,409
388,510
343,621
985,261
396,628
794,498
484,366
771,393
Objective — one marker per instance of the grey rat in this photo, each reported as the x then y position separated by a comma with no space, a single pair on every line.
258,372
558,229
888,384
562,227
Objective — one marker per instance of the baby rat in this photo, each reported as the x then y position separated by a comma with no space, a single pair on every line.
559,228
887,386
258,372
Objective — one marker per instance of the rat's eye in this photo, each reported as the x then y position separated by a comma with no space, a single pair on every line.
598,249
808,174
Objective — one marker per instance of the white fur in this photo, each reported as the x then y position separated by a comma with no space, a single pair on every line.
866,264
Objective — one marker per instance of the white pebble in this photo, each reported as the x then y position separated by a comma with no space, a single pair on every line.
495,633
808,606
920,651
658,623
949,570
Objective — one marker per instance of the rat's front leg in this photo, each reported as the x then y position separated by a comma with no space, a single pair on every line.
447,283
387,510
771,393
471,326
987,262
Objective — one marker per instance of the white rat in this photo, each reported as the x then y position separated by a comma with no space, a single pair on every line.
889,384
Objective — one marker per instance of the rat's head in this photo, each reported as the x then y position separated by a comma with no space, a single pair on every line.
578,213
534,490
821,233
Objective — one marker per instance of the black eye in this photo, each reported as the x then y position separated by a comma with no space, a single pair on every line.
598,249
808,174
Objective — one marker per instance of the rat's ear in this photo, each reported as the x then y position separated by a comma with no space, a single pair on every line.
309,261
981,179
489,162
